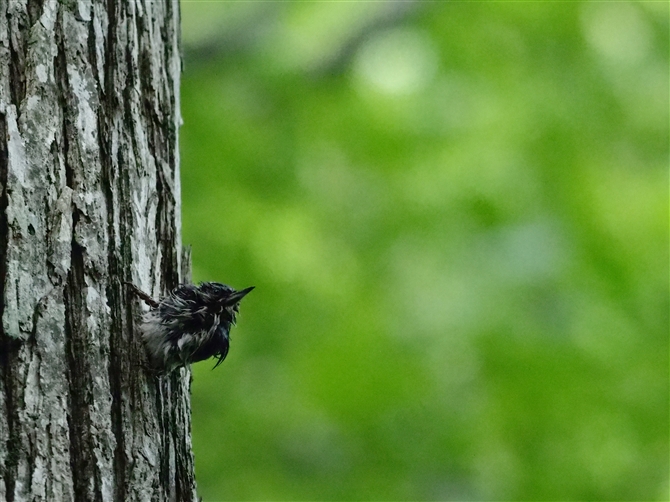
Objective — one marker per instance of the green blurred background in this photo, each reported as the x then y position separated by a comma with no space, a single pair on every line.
456,219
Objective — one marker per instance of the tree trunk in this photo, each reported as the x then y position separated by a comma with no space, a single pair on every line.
90,198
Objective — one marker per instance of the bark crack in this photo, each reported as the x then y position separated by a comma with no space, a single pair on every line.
11,414
4,230
85,469
119,369
17,77
34,8
8,345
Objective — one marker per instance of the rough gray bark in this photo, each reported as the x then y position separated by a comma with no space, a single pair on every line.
90,197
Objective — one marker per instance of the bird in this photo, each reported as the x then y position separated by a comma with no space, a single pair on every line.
190,324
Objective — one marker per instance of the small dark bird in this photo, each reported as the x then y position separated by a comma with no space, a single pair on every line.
192,323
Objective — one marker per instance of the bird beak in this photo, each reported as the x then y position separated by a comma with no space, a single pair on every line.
237,296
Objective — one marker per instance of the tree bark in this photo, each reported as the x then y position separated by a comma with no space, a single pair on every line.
90,198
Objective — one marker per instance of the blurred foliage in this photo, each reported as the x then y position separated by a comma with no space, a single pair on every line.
456,219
